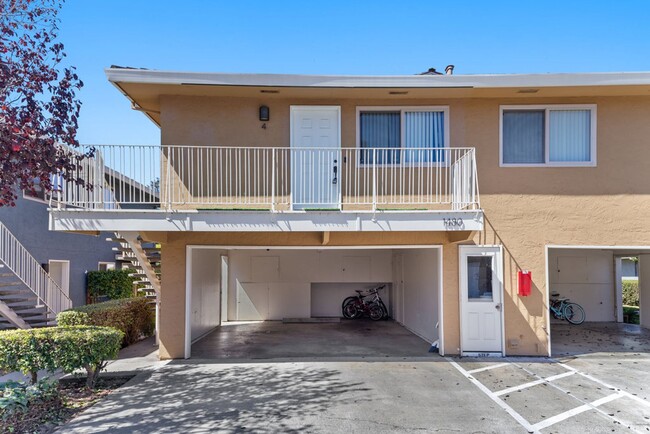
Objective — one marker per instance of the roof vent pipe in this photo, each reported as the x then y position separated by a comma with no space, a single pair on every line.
449,70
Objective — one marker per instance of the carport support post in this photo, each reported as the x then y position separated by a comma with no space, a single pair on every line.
618,286
644,290
172,300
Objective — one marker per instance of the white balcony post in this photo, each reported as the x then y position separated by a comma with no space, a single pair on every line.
168,181
374,179
272,179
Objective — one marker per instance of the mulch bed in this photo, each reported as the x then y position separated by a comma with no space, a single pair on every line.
46,416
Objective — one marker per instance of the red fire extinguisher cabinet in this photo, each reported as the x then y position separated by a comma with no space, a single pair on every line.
524,279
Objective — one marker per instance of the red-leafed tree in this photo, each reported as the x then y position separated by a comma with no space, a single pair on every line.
38,106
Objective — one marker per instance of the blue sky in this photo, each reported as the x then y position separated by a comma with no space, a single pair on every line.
338,37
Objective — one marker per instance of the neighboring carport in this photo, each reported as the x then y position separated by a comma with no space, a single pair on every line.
593,277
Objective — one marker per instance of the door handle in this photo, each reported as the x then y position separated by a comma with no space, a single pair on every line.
497,306
336,169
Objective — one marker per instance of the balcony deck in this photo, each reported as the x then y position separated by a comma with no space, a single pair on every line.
211,188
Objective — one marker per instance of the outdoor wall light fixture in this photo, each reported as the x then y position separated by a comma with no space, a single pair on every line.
265,113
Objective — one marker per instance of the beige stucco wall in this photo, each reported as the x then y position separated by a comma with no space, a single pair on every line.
525,208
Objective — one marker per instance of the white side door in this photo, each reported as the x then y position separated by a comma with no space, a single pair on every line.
59,271
481,306
315,157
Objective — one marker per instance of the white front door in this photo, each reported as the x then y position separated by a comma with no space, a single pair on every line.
315,157
481,300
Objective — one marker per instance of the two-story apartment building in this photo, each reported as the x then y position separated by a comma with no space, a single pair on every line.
280,194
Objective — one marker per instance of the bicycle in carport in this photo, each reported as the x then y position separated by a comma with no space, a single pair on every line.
562,308
357,306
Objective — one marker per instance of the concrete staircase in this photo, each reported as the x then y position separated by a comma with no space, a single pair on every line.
19,306
28,295
144,258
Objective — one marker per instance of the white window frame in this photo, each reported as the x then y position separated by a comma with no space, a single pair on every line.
547,108
27,196
403,109
106,263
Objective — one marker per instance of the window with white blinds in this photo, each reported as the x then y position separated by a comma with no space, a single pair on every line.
548,135
395,135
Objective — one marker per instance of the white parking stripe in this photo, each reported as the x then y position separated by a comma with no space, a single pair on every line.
609,386
558,376
520,387
573,412
511,411
533,383
487,368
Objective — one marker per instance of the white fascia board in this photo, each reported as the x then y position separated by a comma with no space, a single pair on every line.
122,75
254,221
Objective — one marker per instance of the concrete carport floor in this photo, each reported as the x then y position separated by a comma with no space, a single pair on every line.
359,338
593,338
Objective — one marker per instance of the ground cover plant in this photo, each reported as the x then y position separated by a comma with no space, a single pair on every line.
45,406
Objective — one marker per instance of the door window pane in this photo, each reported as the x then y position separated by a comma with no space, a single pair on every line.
523,136
479,278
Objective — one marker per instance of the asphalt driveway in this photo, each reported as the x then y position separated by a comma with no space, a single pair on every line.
603,387
318,397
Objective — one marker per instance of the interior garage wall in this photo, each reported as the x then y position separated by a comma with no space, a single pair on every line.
586,276
416,290
276,284
206,291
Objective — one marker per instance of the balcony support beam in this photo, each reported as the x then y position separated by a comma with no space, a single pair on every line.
263,221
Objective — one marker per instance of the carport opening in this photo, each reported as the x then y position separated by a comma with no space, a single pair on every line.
250,291
609,283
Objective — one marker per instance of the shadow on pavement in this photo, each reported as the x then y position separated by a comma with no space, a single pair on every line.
240,398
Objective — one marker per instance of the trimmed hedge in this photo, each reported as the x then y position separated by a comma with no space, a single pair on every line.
65,348
113,284
631,292
133,316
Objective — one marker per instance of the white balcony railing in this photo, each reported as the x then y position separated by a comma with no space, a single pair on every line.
30,272
274,178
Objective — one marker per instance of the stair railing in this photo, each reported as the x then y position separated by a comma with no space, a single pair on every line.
16,257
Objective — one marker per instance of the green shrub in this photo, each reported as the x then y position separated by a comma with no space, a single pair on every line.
631,292
631,314
65,348
113,284
72,318
133,316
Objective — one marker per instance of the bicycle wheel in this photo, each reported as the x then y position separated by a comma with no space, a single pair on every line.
347,301
375,312
350,311
384,308
574,313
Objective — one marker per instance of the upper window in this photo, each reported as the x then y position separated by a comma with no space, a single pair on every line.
555,135
396,135
39,194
